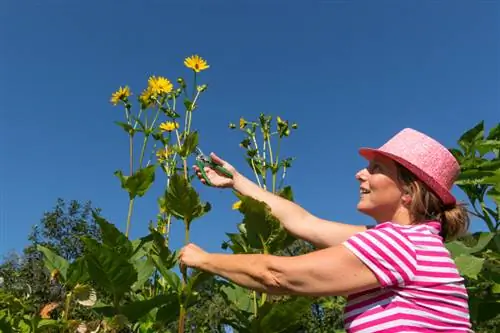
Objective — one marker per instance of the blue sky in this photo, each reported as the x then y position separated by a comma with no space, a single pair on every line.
350,74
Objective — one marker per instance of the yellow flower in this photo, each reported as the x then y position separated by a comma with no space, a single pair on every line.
237,205
120,94
196,63
159,85
169,126
145,97
163,154
243,123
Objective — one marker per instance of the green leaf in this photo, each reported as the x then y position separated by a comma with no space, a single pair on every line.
469,266
163,259
182,201
113,238
286,193
458,248
139,183
494,133
77,272
284,316
145,268
168,313
496,288
472,136
488,146
189,144
126,127
53,261
258,221
138,309
238,296
109,269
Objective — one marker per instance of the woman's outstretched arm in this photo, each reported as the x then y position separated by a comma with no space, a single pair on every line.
295,219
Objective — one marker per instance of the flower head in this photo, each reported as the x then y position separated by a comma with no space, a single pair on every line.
120,95
169,126
159,85
163,154
243,123
145,97
196,63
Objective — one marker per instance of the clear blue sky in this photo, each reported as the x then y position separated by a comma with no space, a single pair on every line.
350,73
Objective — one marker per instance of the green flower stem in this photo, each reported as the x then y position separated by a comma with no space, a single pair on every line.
254,140
255,303
255,173
264,160
138,117
143,149
131,153
66,306
129,215
275,174
189,114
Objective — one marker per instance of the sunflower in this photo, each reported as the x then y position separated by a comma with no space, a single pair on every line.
169,126
121,94
159,85
196,63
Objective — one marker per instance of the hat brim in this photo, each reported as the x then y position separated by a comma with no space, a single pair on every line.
442,192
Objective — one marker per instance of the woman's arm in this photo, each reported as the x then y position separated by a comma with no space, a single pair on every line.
295,219
330,272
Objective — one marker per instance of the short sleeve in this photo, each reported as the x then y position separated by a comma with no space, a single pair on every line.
387,252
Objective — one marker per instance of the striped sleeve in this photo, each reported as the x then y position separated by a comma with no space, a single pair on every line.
388,253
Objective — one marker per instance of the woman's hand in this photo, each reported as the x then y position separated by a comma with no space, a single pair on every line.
217,179
192,256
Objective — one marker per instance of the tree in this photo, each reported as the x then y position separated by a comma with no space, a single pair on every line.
60,229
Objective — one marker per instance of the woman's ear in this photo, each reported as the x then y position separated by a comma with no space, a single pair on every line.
406,198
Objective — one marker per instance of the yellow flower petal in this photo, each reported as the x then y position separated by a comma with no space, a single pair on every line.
169,126
121,94
237,205
196,63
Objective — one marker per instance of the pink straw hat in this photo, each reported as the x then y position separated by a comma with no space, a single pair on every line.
426,158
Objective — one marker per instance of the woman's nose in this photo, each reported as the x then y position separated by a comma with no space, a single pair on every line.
362,175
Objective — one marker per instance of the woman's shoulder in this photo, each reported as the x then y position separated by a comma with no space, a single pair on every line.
430,228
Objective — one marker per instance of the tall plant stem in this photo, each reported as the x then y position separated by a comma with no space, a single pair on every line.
129,215
131,201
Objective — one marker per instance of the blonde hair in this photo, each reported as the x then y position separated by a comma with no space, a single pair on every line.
425,206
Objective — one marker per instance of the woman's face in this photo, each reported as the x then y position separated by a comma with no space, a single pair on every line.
380,192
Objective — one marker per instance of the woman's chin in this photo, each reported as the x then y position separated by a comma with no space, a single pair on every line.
364,207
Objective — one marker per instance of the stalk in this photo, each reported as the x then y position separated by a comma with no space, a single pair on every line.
129,215
275,174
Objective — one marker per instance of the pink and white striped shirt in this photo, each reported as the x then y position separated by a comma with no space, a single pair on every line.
422,290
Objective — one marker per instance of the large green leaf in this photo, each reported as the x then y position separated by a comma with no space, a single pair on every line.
53,261
458,248
77,272
137,309
238,296
284,316
189,144
109,269
469,266
164,260
139,183
114,238
472,136
259,223
182,201
145,268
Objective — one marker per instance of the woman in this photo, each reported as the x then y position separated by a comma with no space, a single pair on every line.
398,275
